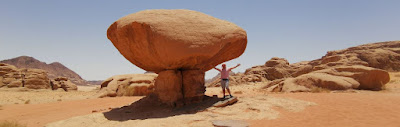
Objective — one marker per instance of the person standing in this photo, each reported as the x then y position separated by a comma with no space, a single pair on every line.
225,78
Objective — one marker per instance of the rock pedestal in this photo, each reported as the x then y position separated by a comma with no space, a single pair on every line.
193,85
168,86
178,87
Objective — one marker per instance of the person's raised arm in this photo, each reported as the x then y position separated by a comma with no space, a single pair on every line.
217,69
234,67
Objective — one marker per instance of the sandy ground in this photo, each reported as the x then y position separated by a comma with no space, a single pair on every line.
30,96
88,88
257,108
340,110
37,115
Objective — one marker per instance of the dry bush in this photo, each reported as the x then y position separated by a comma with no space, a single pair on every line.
11,124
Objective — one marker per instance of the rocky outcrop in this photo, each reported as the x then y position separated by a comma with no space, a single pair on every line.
177,44
335,78
12,76
278,68
128,85
53,70
63,83
382,55
360,67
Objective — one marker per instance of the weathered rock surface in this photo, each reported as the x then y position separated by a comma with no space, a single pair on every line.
63,83
12,76
336,78
278,68
128,85
226,102
382,55
156,40
177,44
352,68
193,85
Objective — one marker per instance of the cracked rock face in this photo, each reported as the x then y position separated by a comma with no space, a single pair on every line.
179,45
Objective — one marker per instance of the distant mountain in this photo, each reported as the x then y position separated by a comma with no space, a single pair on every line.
54,69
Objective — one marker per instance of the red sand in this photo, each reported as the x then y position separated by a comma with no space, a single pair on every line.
371,109
333,109
37,115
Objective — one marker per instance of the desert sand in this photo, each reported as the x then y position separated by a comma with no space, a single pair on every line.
256,107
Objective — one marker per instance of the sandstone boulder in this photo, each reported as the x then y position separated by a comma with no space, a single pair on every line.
369,78
277,62
336,78
173,42
128,85
6,68
63,83
36,79
278,68
12,76
157,40
226,102
15,83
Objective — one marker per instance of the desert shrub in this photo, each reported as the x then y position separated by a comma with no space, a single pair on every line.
11,124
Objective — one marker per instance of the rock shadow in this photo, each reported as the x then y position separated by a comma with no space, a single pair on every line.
150,107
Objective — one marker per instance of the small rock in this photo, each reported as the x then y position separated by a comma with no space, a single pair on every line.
226,102
229,123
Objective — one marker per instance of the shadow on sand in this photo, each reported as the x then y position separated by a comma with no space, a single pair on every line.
149,107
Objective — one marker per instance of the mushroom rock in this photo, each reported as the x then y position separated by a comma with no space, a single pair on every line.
179,45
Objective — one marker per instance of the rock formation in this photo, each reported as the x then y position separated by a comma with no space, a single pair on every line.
382,55
128,85
64,83
53,70
335,78
178,45
360,67
278,68
12,76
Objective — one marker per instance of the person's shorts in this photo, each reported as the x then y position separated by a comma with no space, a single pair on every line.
225,83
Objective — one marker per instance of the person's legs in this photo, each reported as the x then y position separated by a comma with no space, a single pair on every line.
223,85
223,91
229,91
227,88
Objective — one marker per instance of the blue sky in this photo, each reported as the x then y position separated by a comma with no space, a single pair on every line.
73,32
